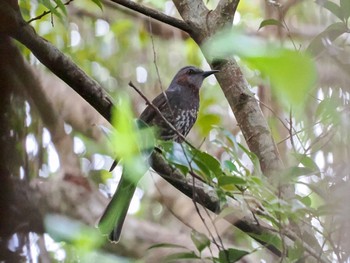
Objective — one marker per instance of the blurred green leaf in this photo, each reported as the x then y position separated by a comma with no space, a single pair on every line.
306,200
205,122
61,6
200,240
269,239
25,8
186,158
295,172
98,3
270,22
128,140
345,7
291,73
72,231
296,252
326,111
51,7
318,44
307,162
193,53
211,162
332,7
166,245
131,141
176,155
180,255
230,166
231,255
252,157
231,180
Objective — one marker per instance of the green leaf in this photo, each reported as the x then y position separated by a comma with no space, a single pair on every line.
269,239
270,22
326,109
61,228
231,255
317,45
177,155
181,255
231,180
61,6
128,139
345,7
211,162
48,4
230,166
205,122
200,240
294,172
306,200
185,158
252,157
193,54
332,7
132,142
291,73
307,162
98,3
165,245
296,252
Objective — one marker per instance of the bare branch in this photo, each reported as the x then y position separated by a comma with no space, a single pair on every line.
64,68
154,14
46,13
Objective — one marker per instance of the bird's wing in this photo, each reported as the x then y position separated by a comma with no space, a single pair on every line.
149,113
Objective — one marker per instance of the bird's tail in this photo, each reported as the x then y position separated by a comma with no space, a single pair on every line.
113,217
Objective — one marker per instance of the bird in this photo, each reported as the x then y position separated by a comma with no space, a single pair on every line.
179,105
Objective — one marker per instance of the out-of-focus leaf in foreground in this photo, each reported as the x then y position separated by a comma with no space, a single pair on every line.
292,73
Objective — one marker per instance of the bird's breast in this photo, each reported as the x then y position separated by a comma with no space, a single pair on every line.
184,120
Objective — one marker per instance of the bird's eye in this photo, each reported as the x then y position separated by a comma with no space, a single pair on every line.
190,71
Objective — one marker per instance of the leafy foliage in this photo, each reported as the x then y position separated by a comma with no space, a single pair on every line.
292,74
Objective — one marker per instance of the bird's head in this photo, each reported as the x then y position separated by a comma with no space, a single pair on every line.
190,76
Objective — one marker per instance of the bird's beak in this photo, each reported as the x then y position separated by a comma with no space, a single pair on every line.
208,73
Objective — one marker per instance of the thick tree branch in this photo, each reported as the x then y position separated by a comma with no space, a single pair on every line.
56,61
235,87
154,14
223,13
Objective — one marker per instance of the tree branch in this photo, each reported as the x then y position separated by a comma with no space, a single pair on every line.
59,64
154,14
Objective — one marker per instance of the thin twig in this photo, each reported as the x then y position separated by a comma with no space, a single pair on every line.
201,216
194,199
155,56
46,13
270,109
290,131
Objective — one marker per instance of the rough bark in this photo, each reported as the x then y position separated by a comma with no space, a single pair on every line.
234,85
